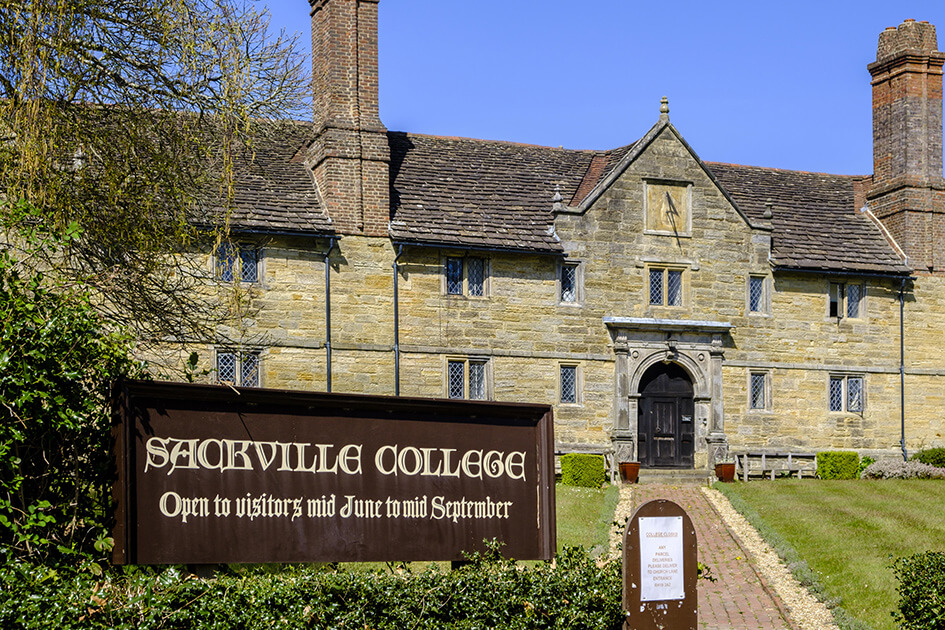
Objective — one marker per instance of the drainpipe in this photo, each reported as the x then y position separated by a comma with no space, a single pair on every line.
400,251
331,246
902,370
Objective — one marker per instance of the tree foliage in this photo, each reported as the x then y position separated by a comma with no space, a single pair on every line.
57,363
125,118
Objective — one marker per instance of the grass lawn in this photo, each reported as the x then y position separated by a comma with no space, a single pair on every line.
849,532
584,516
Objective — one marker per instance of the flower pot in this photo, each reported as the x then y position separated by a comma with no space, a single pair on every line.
629,471
725,471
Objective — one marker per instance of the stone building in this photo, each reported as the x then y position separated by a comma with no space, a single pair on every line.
670,307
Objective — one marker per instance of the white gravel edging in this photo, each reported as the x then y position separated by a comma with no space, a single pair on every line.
622,512
805,610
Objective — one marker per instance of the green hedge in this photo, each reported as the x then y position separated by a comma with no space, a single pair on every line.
931,456
582,469
921,591
490,592
838,465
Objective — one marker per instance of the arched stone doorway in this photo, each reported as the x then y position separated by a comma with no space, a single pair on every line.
666,428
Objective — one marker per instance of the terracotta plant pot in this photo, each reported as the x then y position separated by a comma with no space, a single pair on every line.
725,472
629,471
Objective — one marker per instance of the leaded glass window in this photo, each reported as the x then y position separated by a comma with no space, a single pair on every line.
758,392
249,369
456,375
836,393
569,280
756,294
673,288
855,393
226,367
854,296
467,379
476,272
568,383
238,368
656,287
477,380
237,262
847,393
666,287
454,276
466,276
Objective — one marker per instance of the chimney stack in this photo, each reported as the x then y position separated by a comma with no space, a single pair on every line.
908,192
350,155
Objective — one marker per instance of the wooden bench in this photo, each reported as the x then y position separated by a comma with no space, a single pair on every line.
772,463
610,461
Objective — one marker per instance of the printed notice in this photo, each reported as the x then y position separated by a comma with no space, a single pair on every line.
661,558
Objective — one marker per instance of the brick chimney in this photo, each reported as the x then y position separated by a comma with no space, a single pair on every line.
350,155
908,192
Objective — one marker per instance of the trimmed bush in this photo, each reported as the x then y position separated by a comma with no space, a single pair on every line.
582,469
931,456
921,591
574,592
838,465
898,469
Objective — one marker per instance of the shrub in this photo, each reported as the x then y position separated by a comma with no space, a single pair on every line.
489,592
865,461
57,362
921,591
898,469
838,464
932,456
582,469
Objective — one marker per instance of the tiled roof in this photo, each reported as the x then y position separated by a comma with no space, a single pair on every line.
478,193
816,224
481,194
274,192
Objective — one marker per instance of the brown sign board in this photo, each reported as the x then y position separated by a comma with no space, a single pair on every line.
660,569
212,474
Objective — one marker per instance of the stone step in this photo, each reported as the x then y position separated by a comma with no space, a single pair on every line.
676,476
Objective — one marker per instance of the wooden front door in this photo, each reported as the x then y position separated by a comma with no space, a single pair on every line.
666,426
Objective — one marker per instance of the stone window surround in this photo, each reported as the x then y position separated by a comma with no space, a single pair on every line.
239,248
578,384
766,392
844,380
465,257
666,267
837,294
239,354
578,267
466,361
765,305
698,347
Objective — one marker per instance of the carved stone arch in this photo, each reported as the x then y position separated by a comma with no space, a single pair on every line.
701,383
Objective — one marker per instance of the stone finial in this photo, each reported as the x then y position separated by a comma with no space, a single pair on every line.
769,205
557,199
664,109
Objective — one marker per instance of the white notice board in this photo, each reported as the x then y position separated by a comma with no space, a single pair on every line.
661,558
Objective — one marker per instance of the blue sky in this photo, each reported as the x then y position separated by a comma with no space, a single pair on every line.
781,84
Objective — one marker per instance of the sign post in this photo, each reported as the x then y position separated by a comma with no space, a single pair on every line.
660,569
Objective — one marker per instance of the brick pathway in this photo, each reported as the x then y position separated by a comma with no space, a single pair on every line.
737,600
